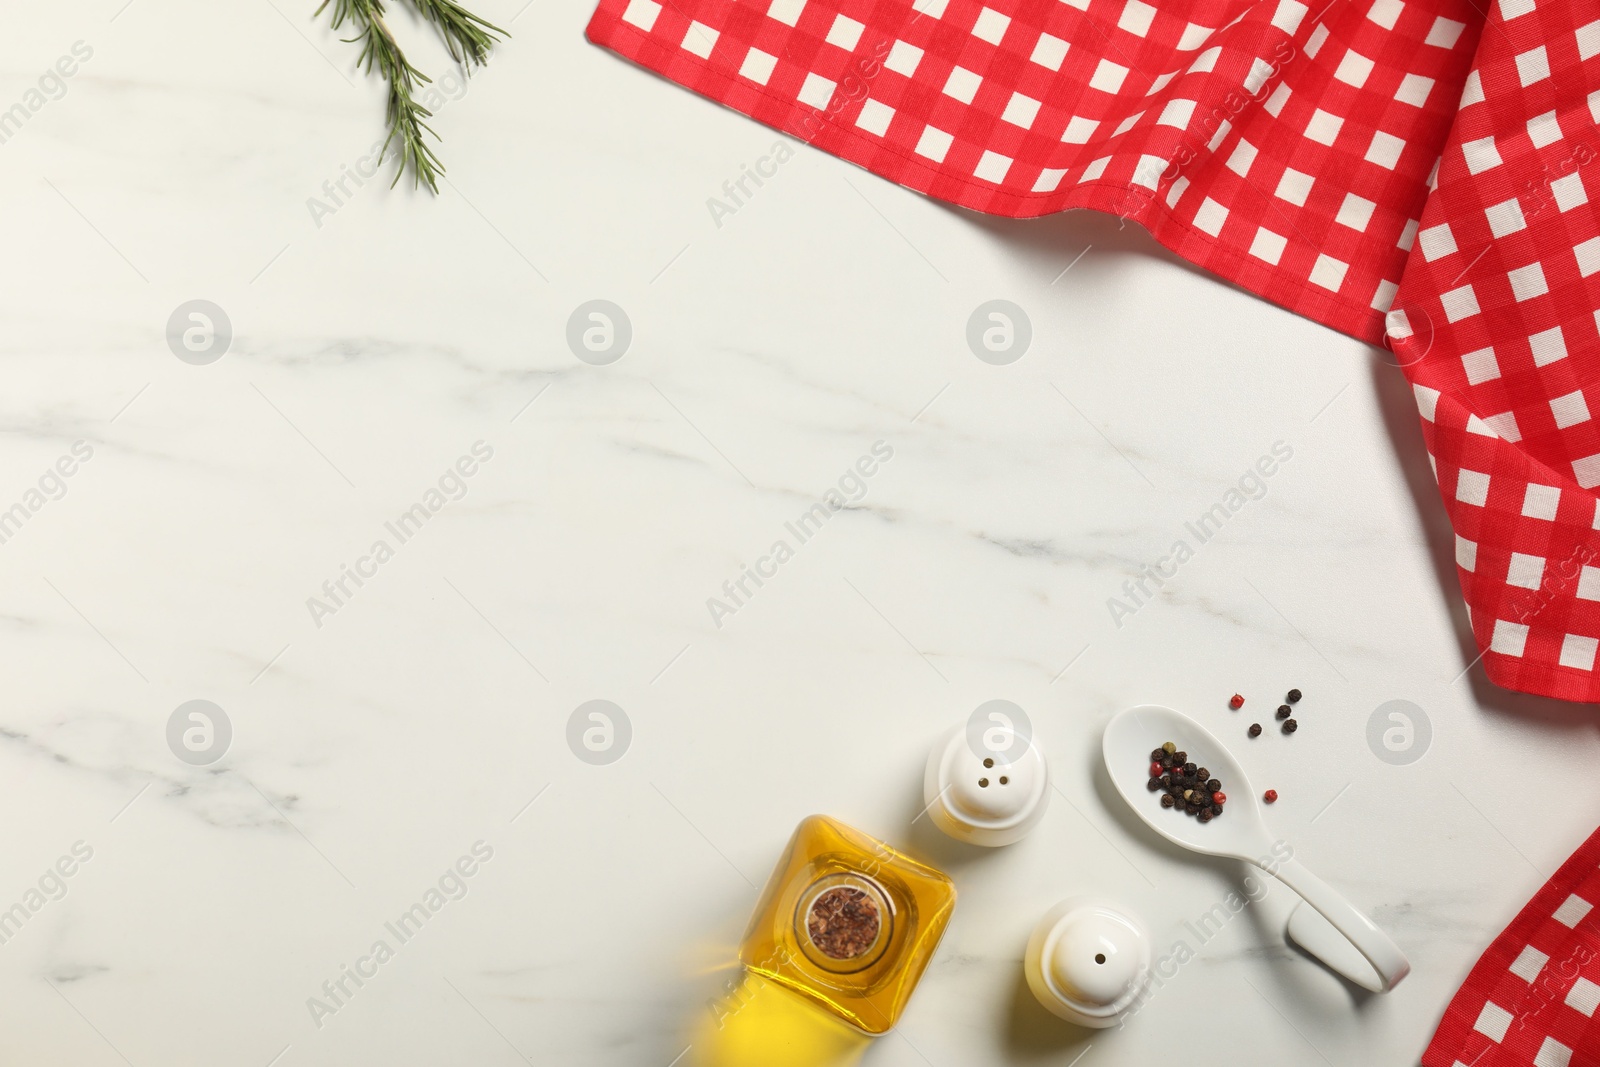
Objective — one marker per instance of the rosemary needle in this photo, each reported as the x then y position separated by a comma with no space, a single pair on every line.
468,37
469,40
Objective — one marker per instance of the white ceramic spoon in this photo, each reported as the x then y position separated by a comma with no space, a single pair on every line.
1331,926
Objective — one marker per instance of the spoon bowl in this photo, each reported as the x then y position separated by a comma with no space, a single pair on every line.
1239,832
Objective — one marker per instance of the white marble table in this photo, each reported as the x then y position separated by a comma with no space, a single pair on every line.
380,738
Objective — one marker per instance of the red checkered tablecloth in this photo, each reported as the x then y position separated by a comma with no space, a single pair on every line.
1530,1000
1495,325
1409,172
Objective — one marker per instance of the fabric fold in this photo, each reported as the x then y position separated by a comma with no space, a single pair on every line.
1495,325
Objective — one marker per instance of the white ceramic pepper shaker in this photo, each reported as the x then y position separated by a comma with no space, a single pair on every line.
1088,962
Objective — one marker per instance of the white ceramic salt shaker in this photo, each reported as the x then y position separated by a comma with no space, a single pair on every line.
1088,962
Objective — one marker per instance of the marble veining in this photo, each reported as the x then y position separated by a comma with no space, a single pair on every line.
374,344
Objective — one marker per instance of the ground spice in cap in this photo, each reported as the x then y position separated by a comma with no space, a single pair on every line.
843,923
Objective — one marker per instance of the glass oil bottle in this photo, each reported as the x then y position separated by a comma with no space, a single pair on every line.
848,923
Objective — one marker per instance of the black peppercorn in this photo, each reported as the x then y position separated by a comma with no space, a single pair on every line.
1205,815
1189,769
1180,757
1157,755
1213,785
1202,774
1284,711
1155,784
1290,726
1293,697
1167,801
1255,729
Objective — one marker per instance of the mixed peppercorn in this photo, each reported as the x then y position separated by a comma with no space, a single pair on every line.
1285,712
1184,785
1285,715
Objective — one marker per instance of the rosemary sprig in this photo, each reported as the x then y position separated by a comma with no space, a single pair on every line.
469,40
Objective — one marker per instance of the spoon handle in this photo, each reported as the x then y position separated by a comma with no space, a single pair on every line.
1376,946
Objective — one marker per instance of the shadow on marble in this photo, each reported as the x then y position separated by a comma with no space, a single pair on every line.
929,844
1052,240
1032,1033
1050,237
